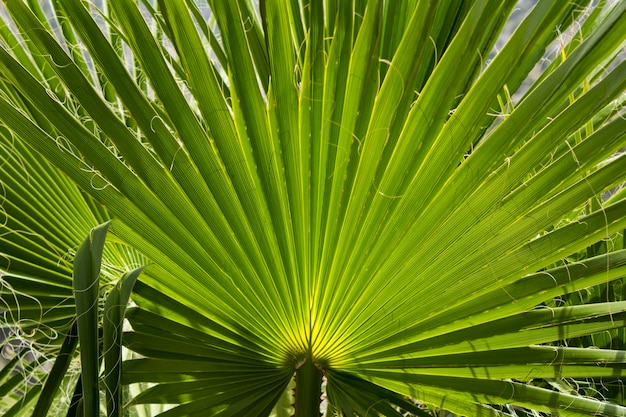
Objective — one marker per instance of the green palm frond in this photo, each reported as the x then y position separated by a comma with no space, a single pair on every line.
372,207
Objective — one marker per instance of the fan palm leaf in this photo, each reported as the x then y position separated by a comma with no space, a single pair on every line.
369,200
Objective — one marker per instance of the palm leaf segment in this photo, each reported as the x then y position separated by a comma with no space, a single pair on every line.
357,192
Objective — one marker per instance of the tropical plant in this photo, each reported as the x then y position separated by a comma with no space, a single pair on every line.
364,194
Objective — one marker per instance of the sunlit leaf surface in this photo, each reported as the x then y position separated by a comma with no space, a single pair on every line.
359,207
